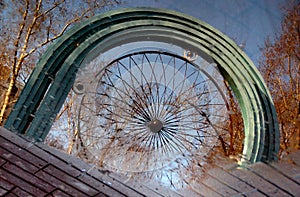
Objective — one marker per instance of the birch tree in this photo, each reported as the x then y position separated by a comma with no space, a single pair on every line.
27,28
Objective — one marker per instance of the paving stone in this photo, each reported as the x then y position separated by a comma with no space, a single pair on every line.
295,157
2,161
28,187
21,141
61,175
258,182
30,178
117,183
3,191
4,183
69,159
19,192
108,186
229,180
276,178
253,193
66,187
154,188
63,165
59,193
203,190
25,165
22,153
189,192
12,195
289,169
100,195
218,187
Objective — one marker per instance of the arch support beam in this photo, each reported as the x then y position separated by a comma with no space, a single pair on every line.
54,75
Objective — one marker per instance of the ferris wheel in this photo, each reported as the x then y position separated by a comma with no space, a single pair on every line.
148,108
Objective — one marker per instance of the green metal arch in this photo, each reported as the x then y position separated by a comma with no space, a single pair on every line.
54,75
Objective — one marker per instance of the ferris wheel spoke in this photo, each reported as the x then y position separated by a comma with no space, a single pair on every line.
151,108
171,136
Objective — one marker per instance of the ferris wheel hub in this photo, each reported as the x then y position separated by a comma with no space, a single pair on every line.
155,125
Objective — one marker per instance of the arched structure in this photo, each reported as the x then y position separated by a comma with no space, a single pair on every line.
54,75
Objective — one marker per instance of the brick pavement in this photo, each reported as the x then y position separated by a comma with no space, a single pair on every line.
34,169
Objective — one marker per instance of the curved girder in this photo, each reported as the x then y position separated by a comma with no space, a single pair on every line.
55,73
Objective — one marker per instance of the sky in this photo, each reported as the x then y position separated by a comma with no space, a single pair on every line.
247,22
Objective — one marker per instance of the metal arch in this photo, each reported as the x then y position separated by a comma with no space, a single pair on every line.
54,74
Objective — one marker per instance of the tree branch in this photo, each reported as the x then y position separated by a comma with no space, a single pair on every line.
48,40
55,5
22,27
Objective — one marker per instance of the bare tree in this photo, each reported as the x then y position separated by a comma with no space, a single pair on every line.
280,67
27,27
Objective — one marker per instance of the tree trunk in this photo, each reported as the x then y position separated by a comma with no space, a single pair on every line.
7,98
